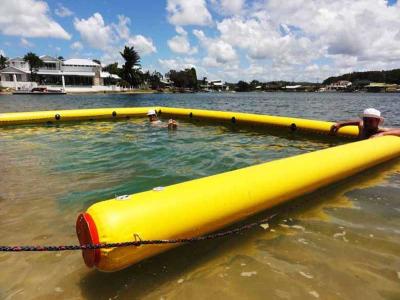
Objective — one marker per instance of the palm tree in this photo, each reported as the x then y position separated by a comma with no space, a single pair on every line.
34,64
3,62
132,59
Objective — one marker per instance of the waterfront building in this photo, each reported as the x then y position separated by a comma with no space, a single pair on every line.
72,75
379,87
293,88
216,85
340,85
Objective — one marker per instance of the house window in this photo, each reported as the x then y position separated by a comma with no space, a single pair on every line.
50,66
9,77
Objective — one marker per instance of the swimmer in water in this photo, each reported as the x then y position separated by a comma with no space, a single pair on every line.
152,115
368,126
153,119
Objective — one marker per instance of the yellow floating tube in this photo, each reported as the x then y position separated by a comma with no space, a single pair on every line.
204,205
291,124
56,116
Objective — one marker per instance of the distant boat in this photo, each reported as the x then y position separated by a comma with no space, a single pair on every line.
40,91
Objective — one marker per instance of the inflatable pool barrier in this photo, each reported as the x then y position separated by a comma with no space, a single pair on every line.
204,205
237,118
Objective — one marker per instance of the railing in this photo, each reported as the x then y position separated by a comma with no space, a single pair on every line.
55,71
22,85
77,69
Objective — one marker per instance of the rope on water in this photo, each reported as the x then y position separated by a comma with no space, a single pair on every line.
136,242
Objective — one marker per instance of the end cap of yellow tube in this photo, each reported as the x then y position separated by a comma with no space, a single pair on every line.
87,234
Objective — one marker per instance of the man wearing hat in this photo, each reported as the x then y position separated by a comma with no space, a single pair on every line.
368,126
153,119
172,124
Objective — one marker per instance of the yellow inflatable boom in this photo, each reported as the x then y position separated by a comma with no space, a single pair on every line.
56,116
204,205
291,124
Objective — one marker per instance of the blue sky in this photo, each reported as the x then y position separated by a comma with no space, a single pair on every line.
231,40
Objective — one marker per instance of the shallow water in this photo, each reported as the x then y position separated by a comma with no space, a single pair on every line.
339,243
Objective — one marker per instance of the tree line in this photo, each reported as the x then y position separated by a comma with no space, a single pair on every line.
391,76
132,75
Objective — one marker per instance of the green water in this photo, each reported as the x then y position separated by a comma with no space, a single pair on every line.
339,243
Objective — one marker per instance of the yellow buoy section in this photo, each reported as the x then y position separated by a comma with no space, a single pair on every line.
292,124
288,123
55,116
204,205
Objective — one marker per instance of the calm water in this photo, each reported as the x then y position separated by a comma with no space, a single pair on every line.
342,242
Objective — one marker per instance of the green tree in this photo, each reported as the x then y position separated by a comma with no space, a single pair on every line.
243,86
113,69
184,79
3,62
34,64
193,79
254,83
155,80
391,76
131,69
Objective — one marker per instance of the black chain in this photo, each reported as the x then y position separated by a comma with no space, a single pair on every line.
137,242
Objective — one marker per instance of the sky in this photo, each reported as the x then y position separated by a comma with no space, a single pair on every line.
296,40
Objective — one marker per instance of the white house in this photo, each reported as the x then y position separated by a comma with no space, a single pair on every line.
339,85
73,75
218,85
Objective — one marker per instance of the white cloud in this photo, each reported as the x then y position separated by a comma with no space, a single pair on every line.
122,28
184,12
174,64
262,40
301,39
95,32
180,43
181,63
229,7
218,51
63,11
182,31
29,18
364,29
77,46
2,52
112,37
142,44
25,43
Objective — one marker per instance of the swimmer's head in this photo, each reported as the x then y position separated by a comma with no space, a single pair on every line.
152,115
372,118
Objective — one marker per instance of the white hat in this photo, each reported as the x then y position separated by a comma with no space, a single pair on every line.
151,112
372,113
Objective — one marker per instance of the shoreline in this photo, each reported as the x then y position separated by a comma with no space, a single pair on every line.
141,92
